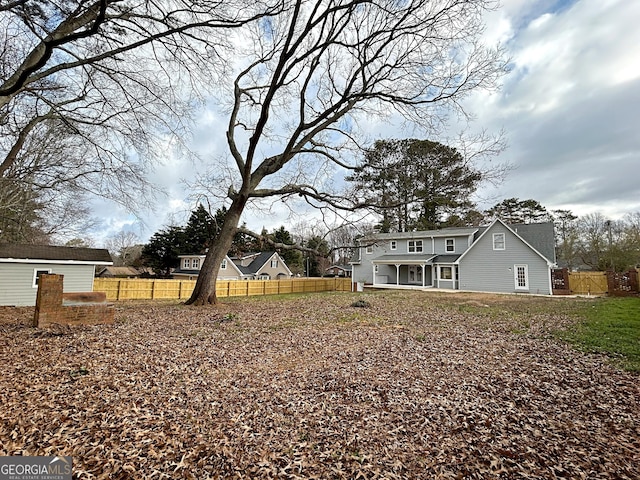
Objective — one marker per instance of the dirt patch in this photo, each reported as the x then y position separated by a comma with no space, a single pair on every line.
416,385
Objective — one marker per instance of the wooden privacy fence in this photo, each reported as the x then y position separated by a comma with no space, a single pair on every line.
588,283
148,289
594,283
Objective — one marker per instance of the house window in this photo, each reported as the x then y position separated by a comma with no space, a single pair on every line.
223,265
36,275
369,249
446,273
498,241
186,263
393,245
450,245
521,273
274,263
415,246
196,263
375,268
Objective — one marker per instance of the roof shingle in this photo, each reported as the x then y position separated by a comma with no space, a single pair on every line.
50,252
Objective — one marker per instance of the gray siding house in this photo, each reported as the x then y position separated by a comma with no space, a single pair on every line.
254,266
21,265
495,258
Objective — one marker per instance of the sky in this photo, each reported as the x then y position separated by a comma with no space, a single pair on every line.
569,108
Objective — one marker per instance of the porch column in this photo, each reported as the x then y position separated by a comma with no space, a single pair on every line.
454,276
373,273
397,274
423,271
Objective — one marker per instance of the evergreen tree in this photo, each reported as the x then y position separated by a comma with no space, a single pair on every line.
293,258
317,264
414,184
201,230
161,253
514,210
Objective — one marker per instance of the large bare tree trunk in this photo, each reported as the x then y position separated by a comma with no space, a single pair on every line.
204,292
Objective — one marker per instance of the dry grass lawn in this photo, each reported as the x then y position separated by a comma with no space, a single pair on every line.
417,385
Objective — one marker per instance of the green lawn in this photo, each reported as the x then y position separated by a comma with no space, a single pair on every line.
610,326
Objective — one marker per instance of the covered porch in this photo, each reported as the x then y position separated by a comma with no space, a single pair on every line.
422,271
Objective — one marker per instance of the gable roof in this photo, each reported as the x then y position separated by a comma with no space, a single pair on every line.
530,231
540,236
19,253
118,272
257,263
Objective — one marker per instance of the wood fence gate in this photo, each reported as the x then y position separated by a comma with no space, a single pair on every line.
588,283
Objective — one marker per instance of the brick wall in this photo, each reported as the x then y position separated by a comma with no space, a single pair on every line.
84,309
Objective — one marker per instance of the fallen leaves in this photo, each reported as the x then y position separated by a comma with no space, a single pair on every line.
311,387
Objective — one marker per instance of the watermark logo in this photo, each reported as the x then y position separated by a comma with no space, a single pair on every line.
35,468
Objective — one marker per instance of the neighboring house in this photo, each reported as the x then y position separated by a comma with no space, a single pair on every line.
21,266
339,271
494,258
117,272
255,266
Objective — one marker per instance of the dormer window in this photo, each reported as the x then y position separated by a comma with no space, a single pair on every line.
186,263
195,264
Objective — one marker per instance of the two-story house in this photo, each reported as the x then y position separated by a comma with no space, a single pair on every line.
493,258
255,266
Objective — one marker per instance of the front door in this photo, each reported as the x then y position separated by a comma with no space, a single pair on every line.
415,274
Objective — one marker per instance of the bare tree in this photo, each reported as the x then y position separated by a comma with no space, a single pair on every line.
307,76
124,248
91,91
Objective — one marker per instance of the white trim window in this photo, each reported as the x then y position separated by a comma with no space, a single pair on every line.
369,249
499,241
223,265
414,246
521,277
449,245
36,275
393,245
274,263
186,263
446,272
195,264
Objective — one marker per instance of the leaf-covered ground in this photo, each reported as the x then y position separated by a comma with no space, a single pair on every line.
416,385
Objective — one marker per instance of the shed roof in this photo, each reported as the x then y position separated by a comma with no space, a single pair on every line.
31,253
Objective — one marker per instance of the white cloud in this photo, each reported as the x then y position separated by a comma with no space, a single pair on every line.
570,104
569,108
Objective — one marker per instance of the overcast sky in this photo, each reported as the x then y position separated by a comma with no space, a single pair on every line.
570,109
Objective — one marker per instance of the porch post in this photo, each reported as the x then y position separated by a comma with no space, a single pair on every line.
454,275
373,273
423,270
397,274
